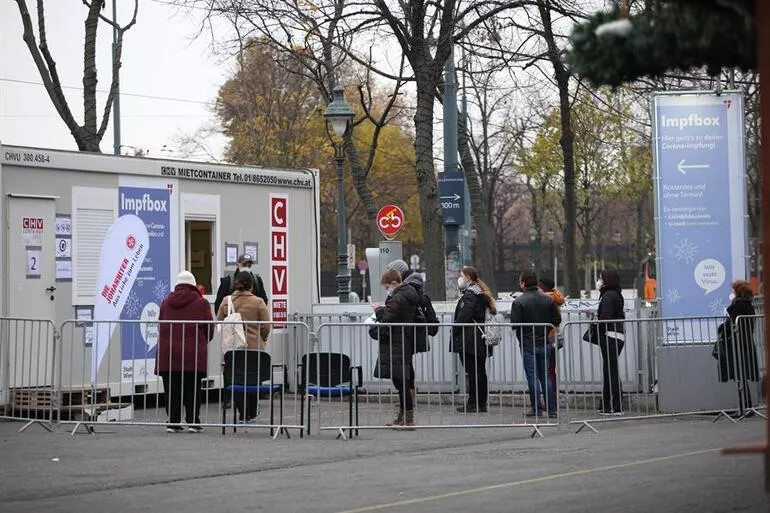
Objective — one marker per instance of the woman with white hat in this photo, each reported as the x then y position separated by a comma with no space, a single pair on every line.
183,352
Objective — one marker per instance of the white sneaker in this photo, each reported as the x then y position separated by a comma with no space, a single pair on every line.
195,429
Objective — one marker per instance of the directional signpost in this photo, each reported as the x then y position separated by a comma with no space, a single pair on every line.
451,188
700,203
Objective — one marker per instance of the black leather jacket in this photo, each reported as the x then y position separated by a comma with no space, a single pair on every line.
533,307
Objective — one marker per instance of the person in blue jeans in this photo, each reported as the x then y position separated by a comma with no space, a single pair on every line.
533,315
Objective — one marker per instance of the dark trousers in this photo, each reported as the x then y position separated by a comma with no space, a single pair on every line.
403,384
183,389
475,366
612,391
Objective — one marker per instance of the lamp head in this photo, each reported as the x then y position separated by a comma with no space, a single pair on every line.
338,113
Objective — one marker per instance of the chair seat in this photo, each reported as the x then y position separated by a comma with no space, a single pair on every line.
336,391
255,388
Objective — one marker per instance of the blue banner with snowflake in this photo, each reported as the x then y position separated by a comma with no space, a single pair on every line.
139,340
699,175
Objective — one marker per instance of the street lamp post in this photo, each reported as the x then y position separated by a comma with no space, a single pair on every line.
339,119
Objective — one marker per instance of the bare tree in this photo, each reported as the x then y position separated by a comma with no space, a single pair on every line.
88,136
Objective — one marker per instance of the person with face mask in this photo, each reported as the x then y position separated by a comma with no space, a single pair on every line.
227,283
467,341
395,351
610,337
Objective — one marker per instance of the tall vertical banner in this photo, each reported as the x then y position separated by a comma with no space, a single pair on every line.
279,258
123,252
153,283
700,193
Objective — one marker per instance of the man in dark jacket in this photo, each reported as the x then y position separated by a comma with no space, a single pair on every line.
227,283
182,351
535,308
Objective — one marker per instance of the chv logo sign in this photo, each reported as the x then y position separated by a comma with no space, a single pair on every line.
390,221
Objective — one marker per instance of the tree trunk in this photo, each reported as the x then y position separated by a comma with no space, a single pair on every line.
362,189
432,229
567,142
479,211
89,141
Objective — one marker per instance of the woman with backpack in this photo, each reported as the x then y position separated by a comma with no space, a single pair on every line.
468,341
396,343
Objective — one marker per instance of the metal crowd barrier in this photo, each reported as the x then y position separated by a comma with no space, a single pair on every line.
242,388
319,375
435,379
27,356
665,367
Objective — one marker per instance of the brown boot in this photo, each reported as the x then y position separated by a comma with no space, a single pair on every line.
409,420
398,421
412,392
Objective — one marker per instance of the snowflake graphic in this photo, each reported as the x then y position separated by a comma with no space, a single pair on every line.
160,291
685,251
133,306
673,296
717,306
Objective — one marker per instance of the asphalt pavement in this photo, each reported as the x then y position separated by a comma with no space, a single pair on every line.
673,465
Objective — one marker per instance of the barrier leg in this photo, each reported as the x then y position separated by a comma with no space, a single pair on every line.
89,429
586,424
536,432
723,413
40,423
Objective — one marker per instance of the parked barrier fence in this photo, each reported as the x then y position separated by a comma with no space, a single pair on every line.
331,377
27,356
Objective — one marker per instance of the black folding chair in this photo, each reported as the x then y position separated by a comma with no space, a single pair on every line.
328,375
246,371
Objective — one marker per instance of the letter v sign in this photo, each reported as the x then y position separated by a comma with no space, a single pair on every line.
279,280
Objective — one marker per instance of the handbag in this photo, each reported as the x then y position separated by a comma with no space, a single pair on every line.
592,334
232,336
492,334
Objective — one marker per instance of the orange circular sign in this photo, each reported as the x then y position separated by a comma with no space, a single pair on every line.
390,221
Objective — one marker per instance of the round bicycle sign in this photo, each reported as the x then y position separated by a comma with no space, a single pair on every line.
390,221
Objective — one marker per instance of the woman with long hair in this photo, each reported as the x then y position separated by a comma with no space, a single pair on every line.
467,341
611,339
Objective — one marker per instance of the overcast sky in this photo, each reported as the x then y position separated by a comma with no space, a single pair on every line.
160,59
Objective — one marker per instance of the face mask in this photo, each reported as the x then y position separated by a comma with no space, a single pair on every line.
388,291
599,284
461,283
732,296
244,269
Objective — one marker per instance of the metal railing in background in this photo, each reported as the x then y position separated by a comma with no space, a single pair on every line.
27,367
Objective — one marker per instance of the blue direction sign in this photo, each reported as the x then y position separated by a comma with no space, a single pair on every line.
701,204
451,189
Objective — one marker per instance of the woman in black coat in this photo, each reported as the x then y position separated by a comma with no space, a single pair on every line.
611,339
467,341
397,342
746,368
